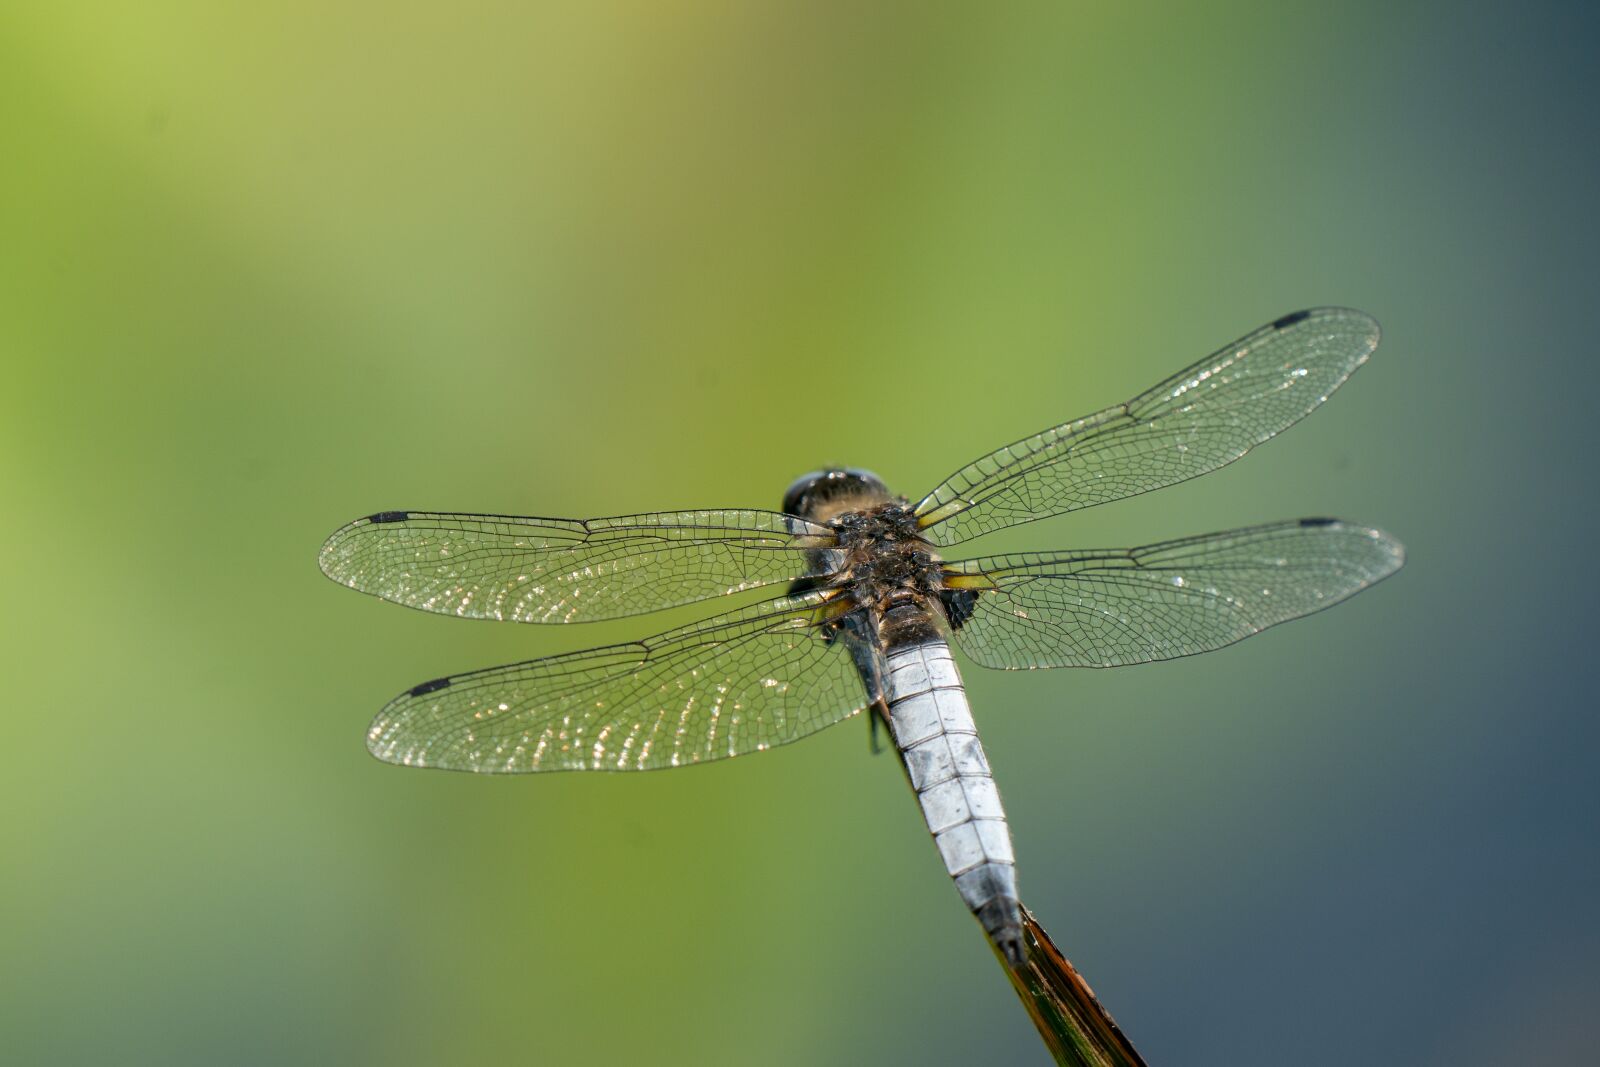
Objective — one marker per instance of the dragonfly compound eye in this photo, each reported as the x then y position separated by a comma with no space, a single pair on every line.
811,494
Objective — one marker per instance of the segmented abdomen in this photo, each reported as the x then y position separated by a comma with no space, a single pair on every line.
938,741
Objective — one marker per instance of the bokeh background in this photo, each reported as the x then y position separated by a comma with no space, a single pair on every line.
267,268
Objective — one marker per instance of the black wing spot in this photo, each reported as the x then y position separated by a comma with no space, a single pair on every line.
389,516
428,687
1290,319
959,604
1319,522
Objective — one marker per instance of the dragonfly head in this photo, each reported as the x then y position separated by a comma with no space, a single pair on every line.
820,495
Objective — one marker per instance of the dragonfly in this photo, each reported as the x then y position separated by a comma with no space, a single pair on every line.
867,607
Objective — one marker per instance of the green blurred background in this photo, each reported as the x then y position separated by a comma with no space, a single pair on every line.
265,269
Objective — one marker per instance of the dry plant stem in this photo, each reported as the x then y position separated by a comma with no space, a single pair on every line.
1075,1028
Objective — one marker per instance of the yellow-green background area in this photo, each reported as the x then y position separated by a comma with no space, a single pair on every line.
266,268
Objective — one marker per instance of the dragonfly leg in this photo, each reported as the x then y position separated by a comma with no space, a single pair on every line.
878,716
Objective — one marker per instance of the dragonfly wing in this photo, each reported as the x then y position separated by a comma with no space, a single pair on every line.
741,682
1112,607
1201,418
568,570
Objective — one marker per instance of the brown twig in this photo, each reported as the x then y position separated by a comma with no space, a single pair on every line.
1075,1028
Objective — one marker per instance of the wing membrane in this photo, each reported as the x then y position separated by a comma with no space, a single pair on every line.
741,682
567,570
1111,607
1201,418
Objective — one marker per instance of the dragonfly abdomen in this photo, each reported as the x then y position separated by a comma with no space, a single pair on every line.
937,739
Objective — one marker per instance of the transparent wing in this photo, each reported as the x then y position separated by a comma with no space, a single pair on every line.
567,570
1111,607
1201,418
740,682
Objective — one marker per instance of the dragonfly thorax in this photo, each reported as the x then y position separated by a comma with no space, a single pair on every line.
889,567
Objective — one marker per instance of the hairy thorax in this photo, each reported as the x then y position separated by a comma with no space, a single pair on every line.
890,570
